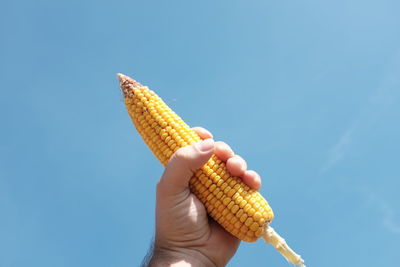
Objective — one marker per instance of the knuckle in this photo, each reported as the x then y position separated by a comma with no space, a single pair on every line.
180,154
196,128
240,158
220,144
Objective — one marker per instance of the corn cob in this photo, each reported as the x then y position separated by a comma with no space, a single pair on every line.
240,210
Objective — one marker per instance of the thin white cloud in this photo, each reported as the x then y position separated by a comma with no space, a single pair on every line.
390,216
389,219
380,101
337,152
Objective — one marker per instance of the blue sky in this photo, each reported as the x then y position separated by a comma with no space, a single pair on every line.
307,91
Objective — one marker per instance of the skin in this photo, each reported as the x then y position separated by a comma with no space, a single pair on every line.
185,235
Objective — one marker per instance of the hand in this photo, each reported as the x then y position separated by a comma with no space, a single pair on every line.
185,235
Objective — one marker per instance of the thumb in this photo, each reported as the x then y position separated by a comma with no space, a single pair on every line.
182,165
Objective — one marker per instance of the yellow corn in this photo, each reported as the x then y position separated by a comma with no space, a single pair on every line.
240,210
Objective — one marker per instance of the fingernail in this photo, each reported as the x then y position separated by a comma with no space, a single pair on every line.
205,145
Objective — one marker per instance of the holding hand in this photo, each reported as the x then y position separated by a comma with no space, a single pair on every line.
185,235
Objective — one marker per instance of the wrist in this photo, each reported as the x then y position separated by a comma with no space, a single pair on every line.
178,257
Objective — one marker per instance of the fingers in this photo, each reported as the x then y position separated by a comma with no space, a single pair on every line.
236,165
252,179
202,132
183,164
223,151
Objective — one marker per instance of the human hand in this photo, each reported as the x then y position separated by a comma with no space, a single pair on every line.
185,235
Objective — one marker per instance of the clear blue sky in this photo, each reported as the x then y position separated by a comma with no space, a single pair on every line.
307,91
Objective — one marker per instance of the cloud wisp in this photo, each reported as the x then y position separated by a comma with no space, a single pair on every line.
338,150
389,219
390,216
381,100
